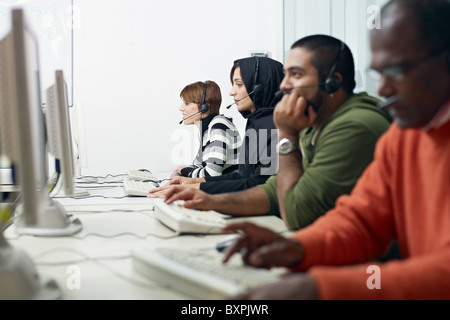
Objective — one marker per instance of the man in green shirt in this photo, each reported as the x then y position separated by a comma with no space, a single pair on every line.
327,136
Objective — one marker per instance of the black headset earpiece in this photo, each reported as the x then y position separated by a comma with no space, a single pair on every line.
257,87
332,83
204,107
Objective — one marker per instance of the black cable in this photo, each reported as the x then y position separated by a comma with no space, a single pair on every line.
103,177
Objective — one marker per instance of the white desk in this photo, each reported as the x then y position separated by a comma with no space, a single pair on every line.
100,253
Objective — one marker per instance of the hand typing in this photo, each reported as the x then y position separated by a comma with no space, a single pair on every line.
193,198
261,247
162,192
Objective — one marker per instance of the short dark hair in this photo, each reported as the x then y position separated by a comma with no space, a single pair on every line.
324,51
431,19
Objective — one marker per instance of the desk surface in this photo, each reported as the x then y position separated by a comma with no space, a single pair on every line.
100,254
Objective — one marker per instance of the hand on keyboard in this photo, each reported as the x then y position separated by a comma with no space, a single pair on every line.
186,180
194,198
162,192
264,248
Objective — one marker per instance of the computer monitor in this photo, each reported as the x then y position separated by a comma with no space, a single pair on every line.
23,136
79,139
59,138
23,143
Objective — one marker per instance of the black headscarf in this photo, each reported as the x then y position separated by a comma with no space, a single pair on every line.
270,74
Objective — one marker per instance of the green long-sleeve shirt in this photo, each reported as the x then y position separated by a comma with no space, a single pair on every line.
343,148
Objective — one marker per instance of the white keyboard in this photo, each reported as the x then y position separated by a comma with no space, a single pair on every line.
184,220
141,175
137,188
200,273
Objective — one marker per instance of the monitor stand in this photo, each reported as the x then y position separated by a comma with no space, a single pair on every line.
52,222
19,279
60,191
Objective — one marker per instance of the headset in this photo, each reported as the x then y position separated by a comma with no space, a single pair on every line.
204,107
257,87
332,83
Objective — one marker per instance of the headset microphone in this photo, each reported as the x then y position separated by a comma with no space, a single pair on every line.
257,89
389,101
203,109
278,94
396,98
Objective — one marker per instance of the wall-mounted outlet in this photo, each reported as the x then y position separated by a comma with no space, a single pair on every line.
260,53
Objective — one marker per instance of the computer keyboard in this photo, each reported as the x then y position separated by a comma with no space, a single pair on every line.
140,175
184,220
137,188
200,273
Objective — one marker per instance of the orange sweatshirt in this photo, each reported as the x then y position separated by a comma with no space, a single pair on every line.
404,194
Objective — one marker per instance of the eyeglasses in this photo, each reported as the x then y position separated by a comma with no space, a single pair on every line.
397,72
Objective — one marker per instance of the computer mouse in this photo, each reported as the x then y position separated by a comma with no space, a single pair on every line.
223,244
144,170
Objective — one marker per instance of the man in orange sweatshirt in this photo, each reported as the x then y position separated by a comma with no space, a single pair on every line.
403,195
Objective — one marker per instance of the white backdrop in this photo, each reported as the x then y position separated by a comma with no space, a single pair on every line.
132,59
50,21
347,20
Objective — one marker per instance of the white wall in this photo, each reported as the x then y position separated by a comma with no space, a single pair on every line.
50,22
347,20
132,58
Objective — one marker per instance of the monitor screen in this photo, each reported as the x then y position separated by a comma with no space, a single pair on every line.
23,137
59,138
23,142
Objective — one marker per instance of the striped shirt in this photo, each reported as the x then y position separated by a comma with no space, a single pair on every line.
219,148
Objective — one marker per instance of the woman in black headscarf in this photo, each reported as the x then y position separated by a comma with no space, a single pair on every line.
255,80
254,83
